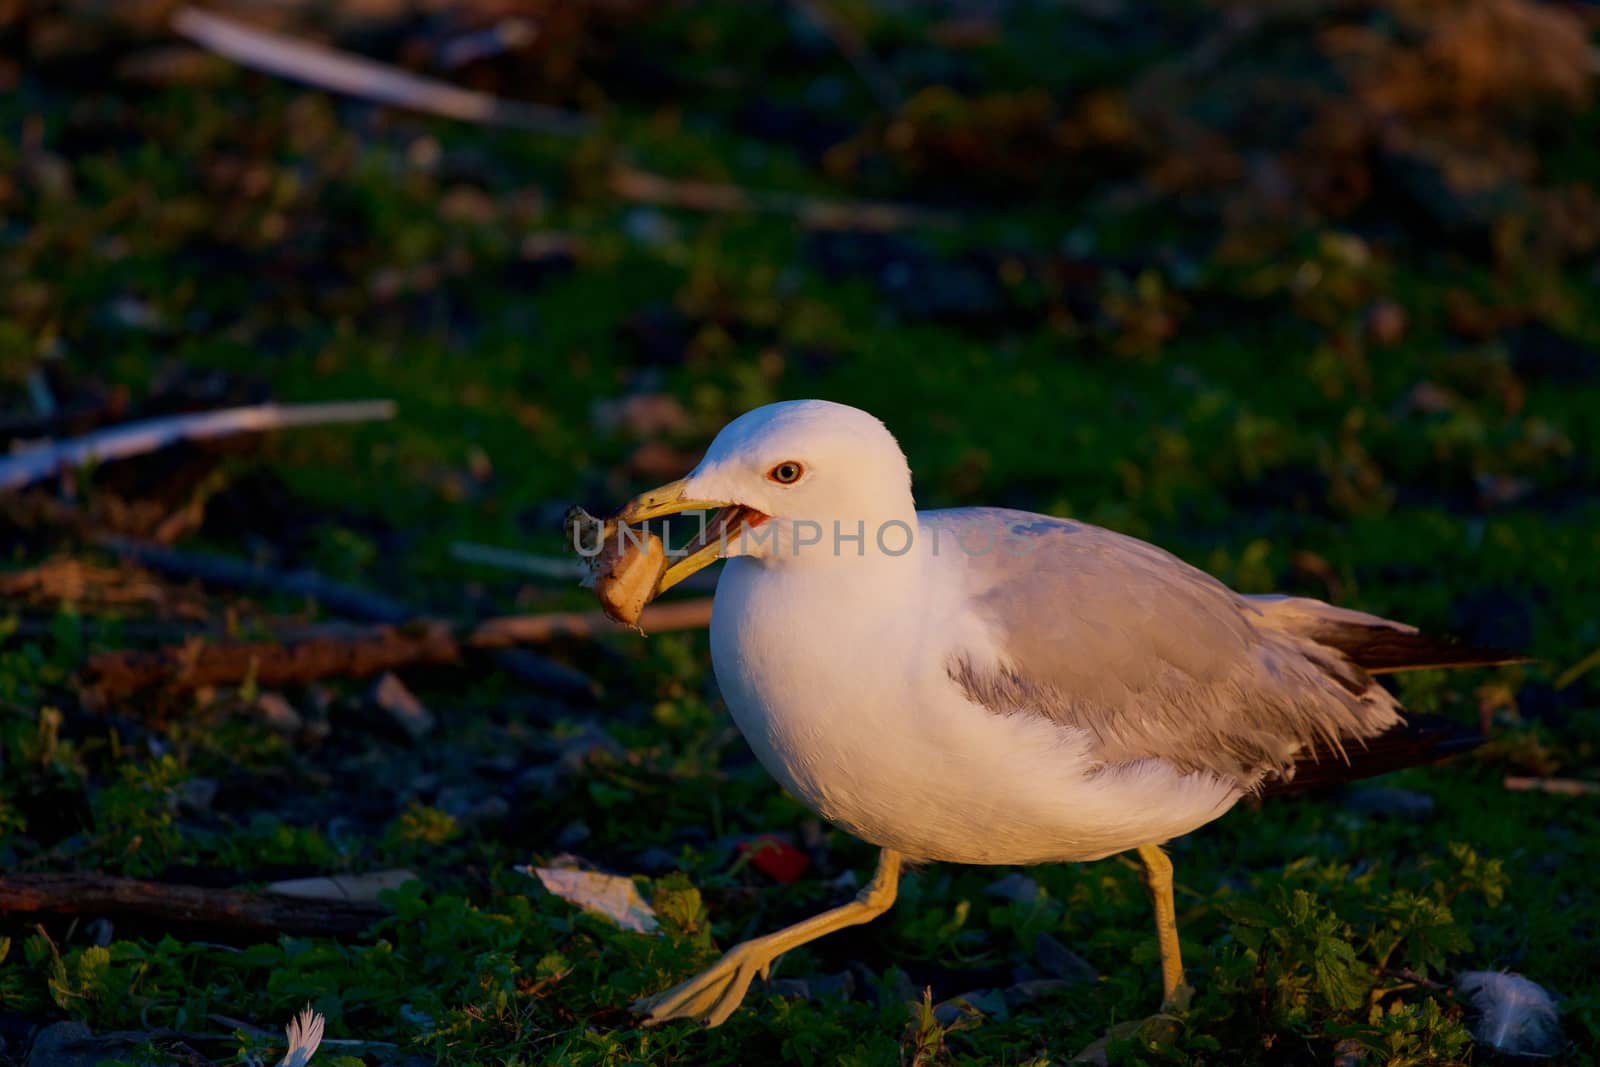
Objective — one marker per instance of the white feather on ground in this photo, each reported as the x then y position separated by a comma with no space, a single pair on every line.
1515,1014
305,1034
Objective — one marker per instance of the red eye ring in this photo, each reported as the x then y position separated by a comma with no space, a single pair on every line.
787,473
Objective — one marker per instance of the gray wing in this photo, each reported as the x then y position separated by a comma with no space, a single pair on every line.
1148,655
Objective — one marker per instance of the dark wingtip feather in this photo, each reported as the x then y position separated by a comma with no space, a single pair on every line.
1387,649
1420,740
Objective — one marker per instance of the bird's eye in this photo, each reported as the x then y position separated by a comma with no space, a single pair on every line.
786,473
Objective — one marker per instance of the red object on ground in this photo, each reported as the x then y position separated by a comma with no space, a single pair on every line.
775,857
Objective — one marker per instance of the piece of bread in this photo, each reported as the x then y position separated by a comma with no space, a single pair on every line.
625,564
631,568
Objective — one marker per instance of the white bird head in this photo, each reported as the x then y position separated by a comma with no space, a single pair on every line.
798,480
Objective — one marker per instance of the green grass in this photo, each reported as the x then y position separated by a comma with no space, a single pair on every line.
1268,438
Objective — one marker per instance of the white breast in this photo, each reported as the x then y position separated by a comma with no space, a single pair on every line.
836,677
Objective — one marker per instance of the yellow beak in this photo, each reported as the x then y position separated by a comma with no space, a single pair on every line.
670,499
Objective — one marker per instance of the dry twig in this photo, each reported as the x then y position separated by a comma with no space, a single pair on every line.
148,435
1571,787
691,195
234,912
357,652
554,568
340,72
320,655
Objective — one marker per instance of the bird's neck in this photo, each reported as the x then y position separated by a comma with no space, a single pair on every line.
882,536
803,622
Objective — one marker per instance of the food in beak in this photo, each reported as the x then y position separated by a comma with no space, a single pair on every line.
626,571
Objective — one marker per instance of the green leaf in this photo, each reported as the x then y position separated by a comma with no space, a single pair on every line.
1341,978
93,964
1247,911
678,905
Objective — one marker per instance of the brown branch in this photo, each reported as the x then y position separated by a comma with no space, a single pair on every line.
536,629
347,600
1572,787
357,652
240,913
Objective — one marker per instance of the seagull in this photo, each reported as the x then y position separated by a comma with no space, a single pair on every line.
991,686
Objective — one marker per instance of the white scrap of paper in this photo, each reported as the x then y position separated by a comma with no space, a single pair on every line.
611,895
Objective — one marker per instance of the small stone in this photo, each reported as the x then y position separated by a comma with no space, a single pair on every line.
1014,886
75,1045
403,707
1061,962
1386,323
1024,993
455,801
657,860
55,1044
470,807
848,879
278,714
1542,354
490,809
978,1002
590,745
815,987
195,795
541,781
893,987
1390,802
500,764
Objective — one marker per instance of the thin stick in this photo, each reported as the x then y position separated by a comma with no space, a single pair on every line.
347,600
1578,670
555,568
1571,787
253,916
148,435
211,568
340,72
358,651
691,195
536,629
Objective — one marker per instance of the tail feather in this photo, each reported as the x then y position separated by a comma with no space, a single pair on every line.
1377,645
1420,740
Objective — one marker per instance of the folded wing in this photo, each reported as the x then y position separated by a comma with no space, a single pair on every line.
1153,659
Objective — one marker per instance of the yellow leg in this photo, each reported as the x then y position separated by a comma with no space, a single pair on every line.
712,995
1158,876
